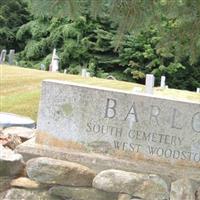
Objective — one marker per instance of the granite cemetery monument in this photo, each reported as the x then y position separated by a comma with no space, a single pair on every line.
115,129
139,123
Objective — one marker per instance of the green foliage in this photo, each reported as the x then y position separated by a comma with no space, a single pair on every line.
13,14
182,17
91,42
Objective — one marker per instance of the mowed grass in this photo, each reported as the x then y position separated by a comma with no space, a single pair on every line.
20,88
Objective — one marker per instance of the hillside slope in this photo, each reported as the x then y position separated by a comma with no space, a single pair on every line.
20,88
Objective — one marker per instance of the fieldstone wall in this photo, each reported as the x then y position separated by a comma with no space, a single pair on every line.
46,178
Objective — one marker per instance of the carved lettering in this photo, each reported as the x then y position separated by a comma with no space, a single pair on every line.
132,114
175,115
196,122
110,108
155,112
127,146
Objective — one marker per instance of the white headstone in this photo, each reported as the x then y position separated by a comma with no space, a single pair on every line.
198,90
3,56
149,83
83,72
65,71
162,81
11,57
55,64
42,67
53,55
87,74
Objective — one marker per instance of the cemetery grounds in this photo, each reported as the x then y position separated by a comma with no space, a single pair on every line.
20,88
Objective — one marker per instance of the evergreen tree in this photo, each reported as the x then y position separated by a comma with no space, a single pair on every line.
183,15
13,14
148,46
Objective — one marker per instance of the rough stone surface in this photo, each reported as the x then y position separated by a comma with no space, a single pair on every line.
184,189
124,197
22,194
98,163
81,193
151,126
10,163
24,182
139,185
22,132
10,119
10,141
2,195
52,171
198,194
4,183
153,189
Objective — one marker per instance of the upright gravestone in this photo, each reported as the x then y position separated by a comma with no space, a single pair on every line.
162,81
42,67
87,74
54,66
11,57
149,83
198,90
3,56
83,73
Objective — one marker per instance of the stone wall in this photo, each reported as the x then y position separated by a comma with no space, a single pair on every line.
48,178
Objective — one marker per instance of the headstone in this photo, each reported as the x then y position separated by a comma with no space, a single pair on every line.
162,81
149,83
53,55
10,119
110,77
198,90
65,71
42,67
54,66
3,56
11,57
153,127
87,74
83,73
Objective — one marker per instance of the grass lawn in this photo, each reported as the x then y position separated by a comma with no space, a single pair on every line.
20,88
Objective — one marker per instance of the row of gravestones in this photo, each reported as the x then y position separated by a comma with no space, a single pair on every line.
150,81
11,56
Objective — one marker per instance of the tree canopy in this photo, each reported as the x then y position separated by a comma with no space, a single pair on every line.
13,14
123,38
182,17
